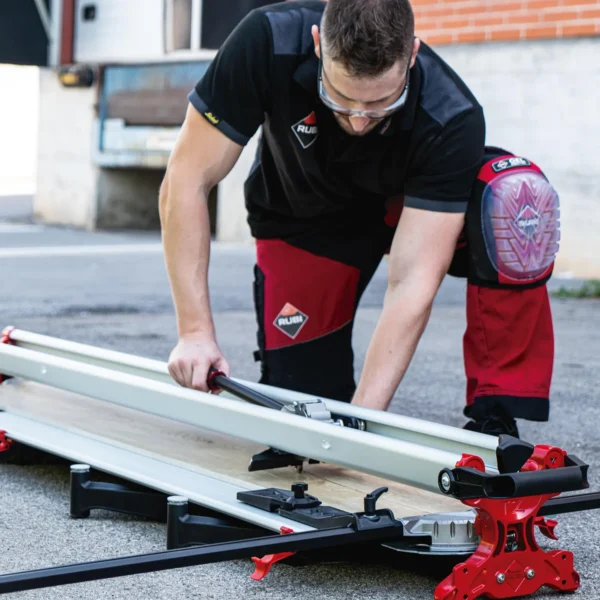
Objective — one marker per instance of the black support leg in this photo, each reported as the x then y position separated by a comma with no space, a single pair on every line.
184,529
87,494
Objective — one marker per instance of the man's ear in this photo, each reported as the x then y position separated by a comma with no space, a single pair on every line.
415,51
317,40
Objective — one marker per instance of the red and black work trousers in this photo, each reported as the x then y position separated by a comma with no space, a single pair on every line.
307,289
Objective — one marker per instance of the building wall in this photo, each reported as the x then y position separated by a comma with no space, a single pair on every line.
75,188
464,21
19,103
134,29
66,173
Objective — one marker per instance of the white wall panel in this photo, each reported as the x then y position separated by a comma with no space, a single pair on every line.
122,30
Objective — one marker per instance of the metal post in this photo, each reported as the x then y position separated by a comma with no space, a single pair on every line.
196,25
177,508
80,475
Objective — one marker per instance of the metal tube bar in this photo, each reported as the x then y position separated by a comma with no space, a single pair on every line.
435,435
245,393
196,25
92,355
188,557
572,503
397,460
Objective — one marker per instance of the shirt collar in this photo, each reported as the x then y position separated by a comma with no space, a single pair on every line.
307,72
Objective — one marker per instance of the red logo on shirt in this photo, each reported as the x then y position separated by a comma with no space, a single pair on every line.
306,130
311,119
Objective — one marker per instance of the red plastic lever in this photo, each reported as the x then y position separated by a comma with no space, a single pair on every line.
508,562
210,381
5,443
546,526
264,564
5,335
5,339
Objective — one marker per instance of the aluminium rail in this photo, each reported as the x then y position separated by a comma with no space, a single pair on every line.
406,462
408,429
197,485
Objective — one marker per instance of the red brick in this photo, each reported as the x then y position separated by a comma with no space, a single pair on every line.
506,33
546,31
575,29
469,35
523,17
561,14
591,12
439,10
454,23
578,2
437,37
470,8
537,5
426,24
487,20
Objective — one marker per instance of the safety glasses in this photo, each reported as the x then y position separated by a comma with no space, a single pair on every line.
379,113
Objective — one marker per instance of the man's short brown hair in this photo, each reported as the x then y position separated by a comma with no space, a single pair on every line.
368,36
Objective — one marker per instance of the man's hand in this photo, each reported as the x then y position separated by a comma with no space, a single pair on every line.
192,358
423,247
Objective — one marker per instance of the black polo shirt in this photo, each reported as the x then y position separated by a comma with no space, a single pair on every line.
308,171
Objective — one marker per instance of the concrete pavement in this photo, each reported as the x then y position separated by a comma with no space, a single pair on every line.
16,207
119,299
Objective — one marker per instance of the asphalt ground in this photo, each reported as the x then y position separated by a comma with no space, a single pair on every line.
16,207
111,290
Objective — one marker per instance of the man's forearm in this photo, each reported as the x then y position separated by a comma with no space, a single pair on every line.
404,317
186,241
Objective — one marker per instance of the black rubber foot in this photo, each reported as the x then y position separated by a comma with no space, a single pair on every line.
276,459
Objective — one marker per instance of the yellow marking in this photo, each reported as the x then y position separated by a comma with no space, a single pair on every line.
211,118
68,78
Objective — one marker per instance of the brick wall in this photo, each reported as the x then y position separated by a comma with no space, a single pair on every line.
450,21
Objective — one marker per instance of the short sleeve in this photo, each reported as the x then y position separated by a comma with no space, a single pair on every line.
233,93
443,178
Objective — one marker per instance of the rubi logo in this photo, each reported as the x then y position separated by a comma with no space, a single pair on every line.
290,320
306,130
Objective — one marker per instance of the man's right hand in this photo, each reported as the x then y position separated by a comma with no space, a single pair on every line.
192,358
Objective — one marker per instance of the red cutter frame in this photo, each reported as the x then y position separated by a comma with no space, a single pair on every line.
508,562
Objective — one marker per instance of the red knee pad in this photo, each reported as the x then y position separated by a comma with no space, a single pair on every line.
513,223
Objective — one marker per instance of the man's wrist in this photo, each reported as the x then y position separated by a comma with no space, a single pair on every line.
197,332
365,400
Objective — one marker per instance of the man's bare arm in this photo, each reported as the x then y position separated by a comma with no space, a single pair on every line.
202,157
421,253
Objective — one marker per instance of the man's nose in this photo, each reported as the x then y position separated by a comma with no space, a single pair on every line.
359,123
